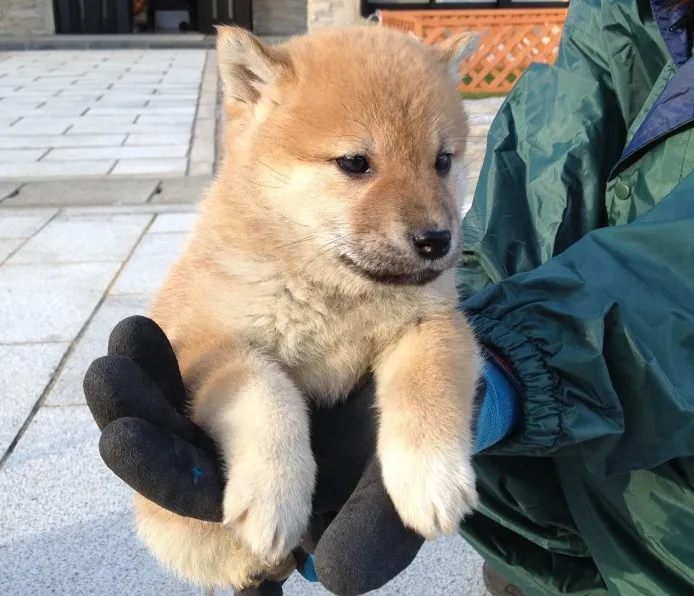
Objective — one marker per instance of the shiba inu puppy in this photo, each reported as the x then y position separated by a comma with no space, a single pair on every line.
324,251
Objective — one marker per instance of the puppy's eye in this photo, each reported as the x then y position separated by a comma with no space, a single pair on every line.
354,164
443,163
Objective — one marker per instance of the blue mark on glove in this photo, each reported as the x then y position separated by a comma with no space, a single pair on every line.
309,570
197,474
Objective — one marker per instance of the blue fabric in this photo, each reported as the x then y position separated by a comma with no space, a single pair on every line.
499,410
667,14
673,110
308,571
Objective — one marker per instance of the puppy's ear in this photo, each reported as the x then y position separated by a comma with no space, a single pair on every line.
454,50
247,67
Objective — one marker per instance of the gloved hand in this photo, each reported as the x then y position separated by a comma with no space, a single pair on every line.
356,542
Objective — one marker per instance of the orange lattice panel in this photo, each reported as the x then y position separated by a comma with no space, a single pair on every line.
509,40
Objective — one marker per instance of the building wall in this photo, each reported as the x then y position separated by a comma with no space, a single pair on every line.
278,17
332,13
26,17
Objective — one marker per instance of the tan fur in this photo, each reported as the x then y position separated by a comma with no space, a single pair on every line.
273,302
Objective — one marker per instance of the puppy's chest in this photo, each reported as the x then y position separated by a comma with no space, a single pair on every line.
328,343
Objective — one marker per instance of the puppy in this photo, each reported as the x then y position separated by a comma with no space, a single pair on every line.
324,251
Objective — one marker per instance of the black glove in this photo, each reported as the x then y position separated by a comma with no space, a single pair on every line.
137,397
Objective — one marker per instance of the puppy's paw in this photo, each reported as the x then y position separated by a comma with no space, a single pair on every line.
269,508
432,491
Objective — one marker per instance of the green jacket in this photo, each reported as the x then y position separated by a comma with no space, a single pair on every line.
579,268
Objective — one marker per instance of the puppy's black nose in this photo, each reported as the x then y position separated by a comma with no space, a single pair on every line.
432,244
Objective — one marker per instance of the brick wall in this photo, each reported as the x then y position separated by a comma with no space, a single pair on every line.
278,17
332,13
26,17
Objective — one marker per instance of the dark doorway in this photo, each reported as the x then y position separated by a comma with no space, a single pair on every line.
93,17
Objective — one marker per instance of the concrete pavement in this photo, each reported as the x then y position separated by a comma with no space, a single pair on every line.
107,113
76,257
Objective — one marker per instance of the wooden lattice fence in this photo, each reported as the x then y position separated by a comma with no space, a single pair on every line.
509,40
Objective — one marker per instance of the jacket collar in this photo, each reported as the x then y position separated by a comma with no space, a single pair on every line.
675,27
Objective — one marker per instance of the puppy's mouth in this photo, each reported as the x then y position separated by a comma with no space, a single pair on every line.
381,275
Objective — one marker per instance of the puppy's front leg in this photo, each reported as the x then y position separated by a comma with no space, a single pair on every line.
425,389
258,417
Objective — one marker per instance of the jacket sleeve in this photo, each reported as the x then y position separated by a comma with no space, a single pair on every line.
598,322
601,338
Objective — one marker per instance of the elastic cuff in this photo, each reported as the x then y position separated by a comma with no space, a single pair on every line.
538,398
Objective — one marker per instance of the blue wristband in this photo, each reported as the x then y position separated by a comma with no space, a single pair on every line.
498,410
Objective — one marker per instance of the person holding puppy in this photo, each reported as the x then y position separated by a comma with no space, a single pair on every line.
578,278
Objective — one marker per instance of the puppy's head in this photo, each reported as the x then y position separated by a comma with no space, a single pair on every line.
349,148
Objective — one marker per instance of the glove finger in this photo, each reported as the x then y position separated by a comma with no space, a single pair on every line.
163,468
143,341
367,544
343,438
116,387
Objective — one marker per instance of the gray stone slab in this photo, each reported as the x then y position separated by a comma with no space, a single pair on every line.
83,238
39,141
23,224
25,372
93,344
177,138
167,223
67,519
13,156
7,189
41,126
200,168
8,246
50,302
132,152
150,264
165,118
174,166
84,192
56,169
182,190
92,126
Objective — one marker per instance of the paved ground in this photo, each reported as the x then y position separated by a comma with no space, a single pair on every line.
77,256
106,113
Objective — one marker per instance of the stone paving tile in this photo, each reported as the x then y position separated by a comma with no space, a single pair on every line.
134,152
56,169
150,264
41,126
155,167
20,155
85,126
25,372
182,190
173,222
23,224
8,246
201,168
83,238
164,118
50,302
7,189
84,192
93,344
144,111
39,141
67,519
158,139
